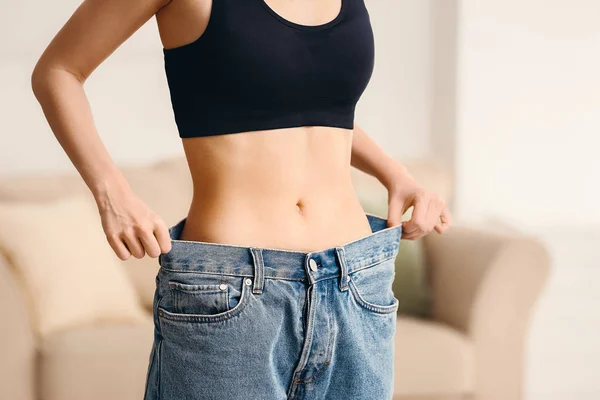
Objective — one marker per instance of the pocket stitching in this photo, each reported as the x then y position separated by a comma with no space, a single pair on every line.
206,318
179,289
376,308
195,289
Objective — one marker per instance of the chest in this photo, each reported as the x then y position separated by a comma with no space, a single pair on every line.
247,47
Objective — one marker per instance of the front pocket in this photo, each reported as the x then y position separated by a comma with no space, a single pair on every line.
190,305
200,298
371,287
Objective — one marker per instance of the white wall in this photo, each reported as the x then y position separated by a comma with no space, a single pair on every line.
129,95
528,112
396,107
525,125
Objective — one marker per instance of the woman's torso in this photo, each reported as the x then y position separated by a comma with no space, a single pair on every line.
287,188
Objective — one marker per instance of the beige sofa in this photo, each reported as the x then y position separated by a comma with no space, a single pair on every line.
485,285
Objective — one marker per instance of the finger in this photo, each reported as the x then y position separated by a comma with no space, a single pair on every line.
161,232
445,220
412,236
434,206
150,243
409,236
118,247
418,217
416,234
446,216
133,244
433,213
441,227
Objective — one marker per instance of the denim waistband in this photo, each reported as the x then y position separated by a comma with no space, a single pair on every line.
196,256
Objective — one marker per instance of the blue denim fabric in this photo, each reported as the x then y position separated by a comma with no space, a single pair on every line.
235,322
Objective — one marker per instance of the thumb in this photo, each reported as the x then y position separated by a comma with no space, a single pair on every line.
395,211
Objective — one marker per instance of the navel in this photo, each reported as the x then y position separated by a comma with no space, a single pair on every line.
300,207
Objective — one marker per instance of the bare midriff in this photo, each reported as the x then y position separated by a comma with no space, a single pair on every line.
285,189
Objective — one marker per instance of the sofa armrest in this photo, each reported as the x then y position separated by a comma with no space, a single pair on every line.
17,341
485,284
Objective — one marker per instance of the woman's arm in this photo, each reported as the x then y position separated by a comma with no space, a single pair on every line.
430,211
368,157
93,32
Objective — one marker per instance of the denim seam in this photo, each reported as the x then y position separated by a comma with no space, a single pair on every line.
193,288
159,298
371,262
158,366
310,326
203,272
329,343
379,261
388,256
315,376
331,335
377,309
230,274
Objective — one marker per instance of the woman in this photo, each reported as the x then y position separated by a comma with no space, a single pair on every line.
276,284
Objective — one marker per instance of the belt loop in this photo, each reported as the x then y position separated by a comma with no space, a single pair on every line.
259,265
341,255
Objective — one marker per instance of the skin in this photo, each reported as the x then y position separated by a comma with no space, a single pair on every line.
284,188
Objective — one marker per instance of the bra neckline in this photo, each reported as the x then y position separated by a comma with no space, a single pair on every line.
298,26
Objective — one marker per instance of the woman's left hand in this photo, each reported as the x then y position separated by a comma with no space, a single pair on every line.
430,211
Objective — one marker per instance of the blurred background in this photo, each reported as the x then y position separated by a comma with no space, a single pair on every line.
500,99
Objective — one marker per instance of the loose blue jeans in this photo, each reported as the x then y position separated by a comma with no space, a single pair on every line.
234,322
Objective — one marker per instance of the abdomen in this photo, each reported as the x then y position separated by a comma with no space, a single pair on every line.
284,188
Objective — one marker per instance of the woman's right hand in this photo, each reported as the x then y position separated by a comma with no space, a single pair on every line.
130,226
94,31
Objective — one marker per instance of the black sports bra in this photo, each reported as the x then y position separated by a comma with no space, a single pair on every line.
253,70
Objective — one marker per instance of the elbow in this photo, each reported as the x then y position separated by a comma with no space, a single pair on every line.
45,75
38,79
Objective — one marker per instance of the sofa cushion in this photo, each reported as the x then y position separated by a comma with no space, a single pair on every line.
431,359
17,342
61,258
96,363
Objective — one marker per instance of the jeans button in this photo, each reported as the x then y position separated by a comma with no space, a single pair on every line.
313,264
